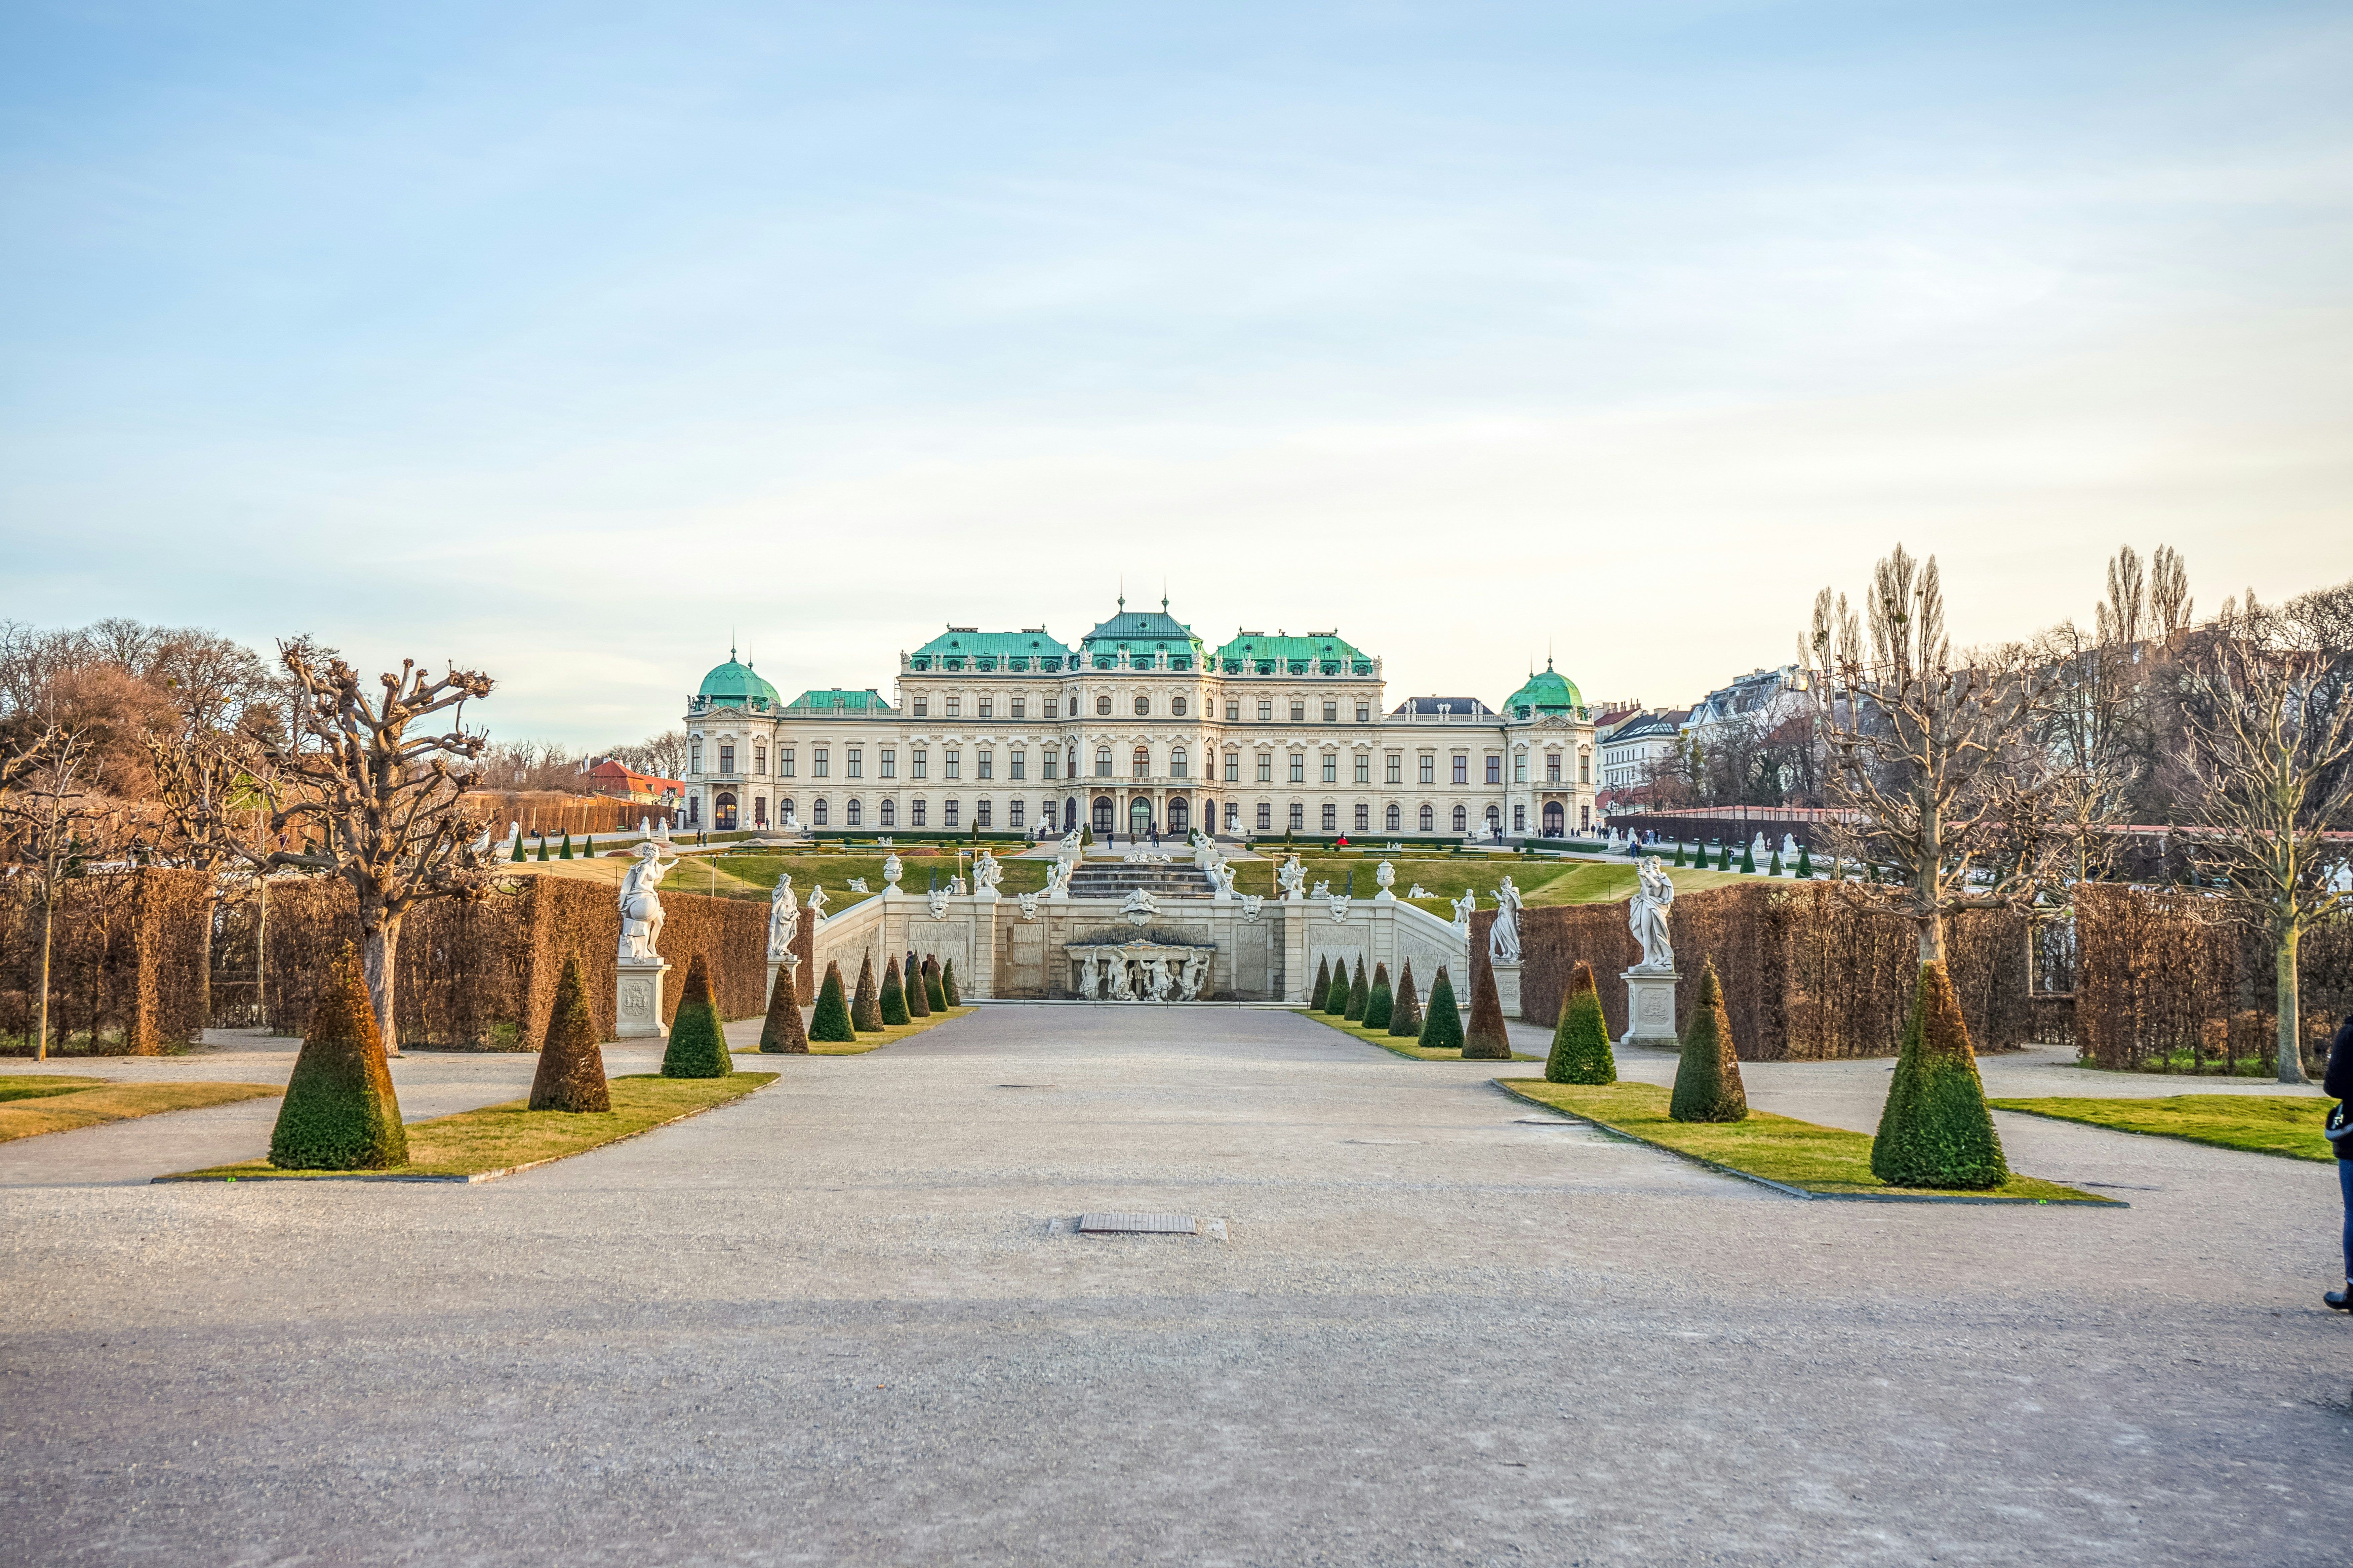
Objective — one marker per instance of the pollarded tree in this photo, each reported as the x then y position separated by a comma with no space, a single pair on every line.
783,1033
697,1044
892,1004
2270,724
1708,1077
339,1113
865,1006
829,1020
1441,1028
1488,1038
386,804
1404,1018
1581,1041
571,1075
1358,995
1379,1003
53,820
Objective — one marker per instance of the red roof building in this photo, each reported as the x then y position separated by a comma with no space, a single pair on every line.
606,776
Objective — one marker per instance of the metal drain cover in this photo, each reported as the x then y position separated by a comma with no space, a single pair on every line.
1137,1225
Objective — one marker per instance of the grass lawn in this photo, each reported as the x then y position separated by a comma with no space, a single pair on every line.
1823,1162
1399,1044
497,1140
2287,1124
745,874
891,1034
33,1103
1447,878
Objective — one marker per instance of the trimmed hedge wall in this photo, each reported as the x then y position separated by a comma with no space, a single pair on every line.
126,960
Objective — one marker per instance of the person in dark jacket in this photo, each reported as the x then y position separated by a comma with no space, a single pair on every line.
2339,1085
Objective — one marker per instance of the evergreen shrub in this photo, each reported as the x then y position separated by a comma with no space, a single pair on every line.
1441,1026
565,852
830,1020
1380,1003
933,992
1405,1017
1580,1040
1935,1131
1707,1079
1724,861
1488,1039
1336,1001
892,1004
1358,995
339,1113
1322,982
571,1075
1679,852
543,848
518,856
1775,869
588,851
949,986
698,1047
866,1007
1748,858
783,1033
1805,863
919,1001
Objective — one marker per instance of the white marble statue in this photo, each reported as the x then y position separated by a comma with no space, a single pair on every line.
645,828
817,901
1504,936
792,823
956,887
1320,890
1788,848
857,885
1288,877
893,870
1156,980
986,873
1120,990
1464,908
641,910
1758,849
1057,879
784,920
884,843
1646,913
1223,874
1090,981
1197,971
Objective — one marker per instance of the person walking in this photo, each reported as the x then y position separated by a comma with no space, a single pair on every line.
2339,1085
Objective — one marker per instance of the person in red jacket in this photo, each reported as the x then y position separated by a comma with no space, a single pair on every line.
2339,1083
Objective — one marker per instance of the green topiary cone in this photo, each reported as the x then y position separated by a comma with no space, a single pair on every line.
518,855
783,1033
1335,1000
339,1112
698,1047
1488,1038
542,848
588,849
1581,1041
866,1007
949,986
933,992
1441,1027
571,1075
1323,988
830,1021
1935,1131
1707,1079
1379,1003
565,852
1404,1018
1805,863
1679,853
919,1002
1748,858
1358,995
893,1005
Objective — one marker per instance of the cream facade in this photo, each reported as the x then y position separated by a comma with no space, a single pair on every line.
1139,728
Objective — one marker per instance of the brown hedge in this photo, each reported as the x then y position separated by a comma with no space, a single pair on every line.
125,963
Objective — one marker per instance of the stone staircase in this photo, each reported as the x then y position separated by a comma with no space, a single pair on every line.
1115,880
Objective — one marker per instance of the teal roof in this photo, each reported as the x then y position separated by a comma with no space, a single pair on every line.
1318,653
735,685
839,699
1143,635
966,647
1547,692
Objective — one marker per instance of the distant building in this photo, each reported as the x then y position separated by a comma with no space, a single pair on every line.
602,775
1635,746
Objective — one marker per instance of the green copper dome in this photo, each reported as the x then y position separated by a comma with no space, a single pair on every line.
1548,692
735,685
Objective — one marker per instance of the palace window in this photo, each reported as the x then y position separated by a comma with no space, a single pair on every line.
1103,759
1265,817
1520,768
1585,818
1331,817
1462,820
1298,818
1494,819
852,814
785,810
853,762
1176,763
1395,768
1143,706
1233,713
1585,767
759,811
1233,767
917,811
1298,767
1298,712
817,812
1141,765
1020,760
1102,707
1429,768
822,761
1428,821
784,761
760,760
1053,708
1393,819
1495,768
987,709
1266,712
949,811
1021,708
694,757
1050,764
1552,767
1519,819
1266,767
980,814
922,707
889,815
1363,713
955,704
1364,819
1177,706
889,763
1364,767
1461,768
1331,768
951,762
1330,712
987,760
726,756
1013,813
918,762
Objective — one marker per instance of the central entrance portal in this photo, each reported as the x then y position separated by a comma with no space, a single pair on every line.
1139,816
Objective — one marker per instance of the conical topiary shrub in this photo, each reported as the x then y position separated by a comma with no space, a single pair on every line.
542,848
783,1033
866,1006
1441,1027
892,1004
1322,983
1405,1017
1581,1041
1723,860
830,1020
1358,995
1379,1003
947,984
1487,1040
919,1001
933,992
565,853
1336,1001
1707,1079
588,847
1748,858
1679,853
1805,863
518,855
698,1047
339,1113
1935,1131
571,1075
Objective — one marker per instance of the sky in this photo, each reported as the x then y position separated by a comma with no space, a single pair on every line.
575,343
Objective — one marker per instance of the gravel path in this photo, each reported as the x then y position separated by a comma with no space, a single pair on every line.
827,1324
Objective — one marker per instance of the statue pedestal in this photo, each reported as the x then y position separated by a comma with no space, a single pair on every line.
637,1002
1649,1009
1507,987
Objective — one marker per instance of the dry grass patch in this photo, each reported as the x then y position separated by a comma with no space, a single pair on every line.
2284,1125
34,1104
1398,1044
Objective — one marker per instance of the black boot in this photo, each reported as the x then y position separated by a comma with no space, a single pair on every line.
2340,1300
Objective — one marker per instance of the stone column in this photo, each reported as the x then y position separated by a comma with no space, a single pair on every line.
982,982
637,1001
1649,1009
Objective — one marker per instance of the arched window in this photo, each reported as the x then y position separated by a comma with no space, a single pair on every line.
785,811
1494,819
852,815
1102,813
816,813
1553,819
1103,759
1177,706
1102,706
1429,822
1462,820
1394,818
1176,764
1143,762
1143,706
759,811
889,815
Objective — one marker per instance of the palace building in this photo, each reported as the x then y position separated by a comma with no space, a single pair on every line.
1139,728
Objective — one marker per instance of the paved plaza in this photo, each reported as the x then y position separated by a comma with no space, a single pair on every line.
831,1323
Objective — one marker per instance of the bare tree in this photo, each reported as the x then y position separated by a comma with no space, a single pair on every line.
210,816
2270,722
54,820
387,803
662,756
1924,749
